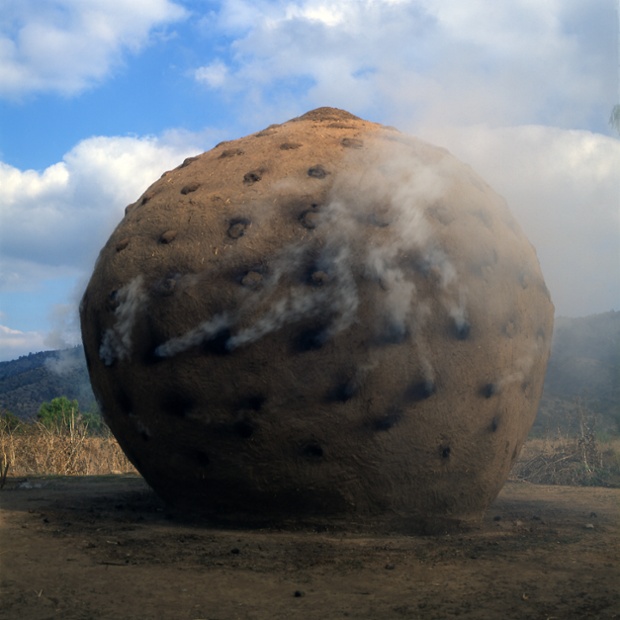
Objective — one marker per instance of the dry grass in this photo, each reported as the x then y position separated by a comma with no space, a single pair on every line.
574,461
35,449
579,459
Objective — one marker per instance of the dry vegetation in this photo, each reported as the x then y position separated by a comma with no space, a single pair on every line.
35,449
580,458
569,461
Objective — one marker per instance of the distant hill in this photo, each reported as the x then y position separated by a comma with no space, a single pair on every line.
583,377
31,380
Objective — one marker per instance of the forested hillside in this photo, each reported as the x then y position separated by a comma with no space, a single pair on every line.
31,380
583,378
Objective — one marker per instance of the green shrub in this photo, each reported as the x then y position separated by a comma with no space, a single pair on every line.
61,413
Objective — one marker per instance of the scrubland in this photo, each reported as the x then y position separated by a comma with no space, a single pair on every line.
35,449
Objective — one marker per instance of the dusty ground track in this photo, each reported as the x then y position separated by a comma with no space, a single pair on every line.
103,547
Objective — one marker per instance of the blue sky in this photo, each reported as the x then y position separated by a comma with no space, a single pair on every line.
99,97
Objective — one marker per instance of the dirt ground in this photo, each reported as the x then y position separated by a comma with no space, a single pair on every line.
104,547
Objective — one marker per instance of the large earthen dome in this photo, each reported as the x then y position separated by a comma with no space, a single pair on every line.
327,319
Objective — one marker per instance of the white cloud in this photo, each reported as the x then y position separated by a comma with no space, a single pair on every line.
423,62
14,343
324,13
66,46
505,28
563,186
58,219
213,75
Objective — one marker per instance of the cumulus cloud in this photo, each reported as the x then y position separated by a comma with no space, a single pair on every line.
213,75
14,343
421,62
63,215
66,46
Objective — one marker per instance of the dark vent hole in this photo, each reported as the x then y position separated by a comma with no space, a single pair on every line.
317,172
310,340
237,227
313,450
254,176
176,404
218,344
421,390
488,390
254,402
462,329
244,428
388,421
343,391
200,457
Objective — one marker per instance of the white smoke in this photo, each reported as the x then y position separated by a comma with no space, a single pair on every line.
389,184
521,366
65,361
398,184
296,305
205,331
117,341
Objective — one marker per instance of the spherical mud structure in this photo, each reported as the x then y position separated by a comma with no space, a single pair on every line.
325,319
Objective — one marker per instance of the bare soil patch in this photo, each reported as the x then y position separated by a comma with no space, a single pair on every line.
104,547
